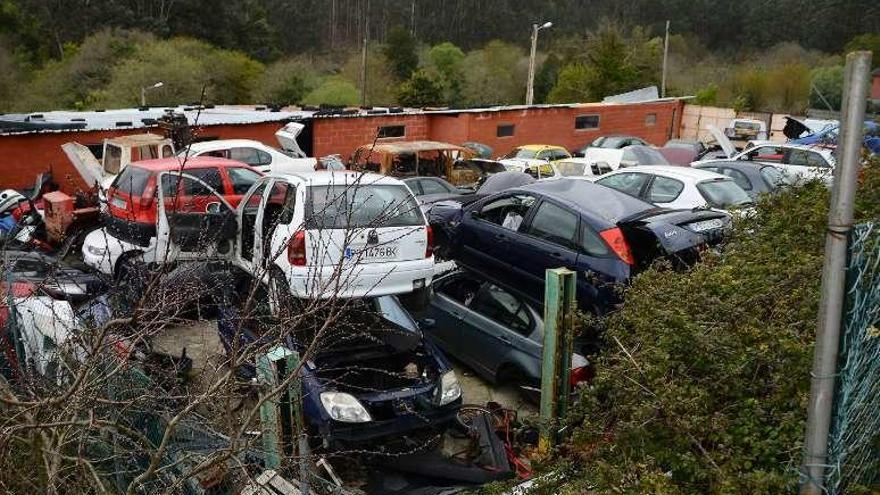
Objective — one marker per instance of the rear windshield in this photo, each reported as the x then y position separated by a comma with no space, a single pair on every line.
355,206
723,193
132,180
523,153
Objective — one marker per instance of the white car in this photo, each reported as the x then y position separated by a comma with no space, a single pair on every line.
581,167
254,153
678,187
798,162
316,234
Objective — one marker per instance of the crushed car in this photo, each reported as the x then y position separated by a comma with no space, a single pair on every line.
373,374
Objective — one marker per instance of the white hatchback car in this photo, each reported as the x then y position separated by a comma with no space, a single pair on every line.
678,187
316,234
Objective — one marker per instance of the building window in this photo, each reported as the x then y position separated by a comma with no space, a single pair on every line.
505,130
586,122
651,119
392,131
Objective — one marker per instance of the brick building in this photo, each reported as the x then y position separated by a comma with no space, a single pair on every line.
26,153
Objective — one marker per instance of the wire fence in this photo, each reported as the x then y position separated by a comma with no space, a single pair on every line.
854,446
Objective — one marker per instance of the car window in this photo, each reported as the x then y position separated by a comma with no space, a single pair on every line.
540,171
460,287
242,179
507,211
132,180
251,156
737,176
543,155
664,189
279,205
502,307
806,158
554,224
433,187
522,153
210,176
571,169
722,193
591,243
252,204
773,177
630,183
772,154
355,206
558,154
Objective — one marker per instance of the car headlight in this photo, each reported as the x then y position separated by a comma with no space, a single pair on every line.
450,389
344,407
96,250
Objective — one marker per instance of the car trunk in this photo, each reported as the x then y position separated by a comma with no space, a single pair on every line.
678,235
385,226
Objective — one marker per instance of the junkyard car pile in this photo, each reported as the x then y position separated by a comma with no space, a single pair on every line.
365,239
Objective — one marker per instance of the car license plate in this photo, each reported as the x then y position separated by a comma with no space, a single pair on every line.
705,225
374,253
119,203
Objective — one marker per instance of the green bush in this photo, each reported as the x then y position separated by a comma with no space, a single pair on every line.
703,384
335,91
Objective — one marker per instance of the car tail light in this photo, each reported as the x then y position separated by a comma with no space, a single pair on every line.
614,238
296,249
578,375
429,249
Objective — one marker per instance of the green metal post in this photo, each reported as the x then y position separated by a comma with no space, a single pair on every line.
559,298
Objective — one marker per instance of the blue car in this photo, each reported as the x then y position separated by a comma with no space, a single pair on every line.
373,374
604,235
828,136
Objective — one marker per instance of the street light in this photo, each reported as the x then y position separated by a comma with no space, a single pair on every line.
530,89
144,92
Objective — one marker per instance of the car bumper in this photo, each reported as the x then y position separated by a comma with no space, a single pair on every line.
361,280
101,250
390,428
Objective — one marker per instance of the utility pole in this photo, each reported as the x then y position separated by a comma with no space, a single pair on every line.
665,54
530,88
364,57
831,302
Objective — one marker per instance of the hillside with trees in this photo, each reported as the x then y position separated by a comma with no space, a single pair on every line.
98,53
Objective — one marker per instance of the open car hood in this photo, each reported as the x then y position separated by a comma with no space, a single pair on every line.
287,138
722,140
84,162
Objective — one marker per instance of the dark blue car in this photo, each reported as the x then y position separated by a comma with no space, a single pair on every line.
372,375
604,235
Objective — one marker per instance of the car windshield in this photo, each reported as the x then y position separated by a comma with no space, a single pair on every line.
358,206
568,169
723,193
133,180
523,153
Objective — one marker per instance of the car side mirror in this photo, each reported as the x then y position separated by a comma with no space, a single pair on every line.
213,208
426,323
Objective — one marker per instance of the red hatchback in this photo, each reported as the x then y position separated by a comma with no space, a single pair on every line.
131,199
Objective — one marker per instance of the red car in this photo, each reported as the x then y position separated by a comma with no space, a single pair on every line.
132,212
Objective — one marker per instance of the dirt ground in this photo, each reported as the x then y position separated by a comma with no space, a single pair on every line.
201,342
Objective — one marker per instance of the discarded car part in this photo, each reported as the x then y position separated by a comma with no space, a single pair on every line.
287,138
480,150
118,153
9,199
176,128
269,482
63,220
46,274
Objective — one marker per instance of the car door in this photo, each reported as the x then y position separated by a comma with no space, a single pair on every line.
249,214
499,324
487,229
194,220
452,294
548,240
802,165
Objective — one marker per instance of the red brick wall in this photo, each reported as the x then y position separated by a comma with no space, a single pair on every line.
24,156
875,88
343,135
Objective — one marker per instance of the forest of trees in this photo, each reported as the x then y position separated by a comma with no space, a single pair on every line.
778,55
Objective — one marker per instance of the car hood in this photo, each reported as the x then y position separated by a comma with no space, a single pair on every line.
722,140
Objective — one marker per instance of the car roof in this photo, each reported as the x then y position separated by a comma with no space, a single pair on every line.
175,163
538,147
601,202
811,147
674,171
734,164
224,143
331,177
